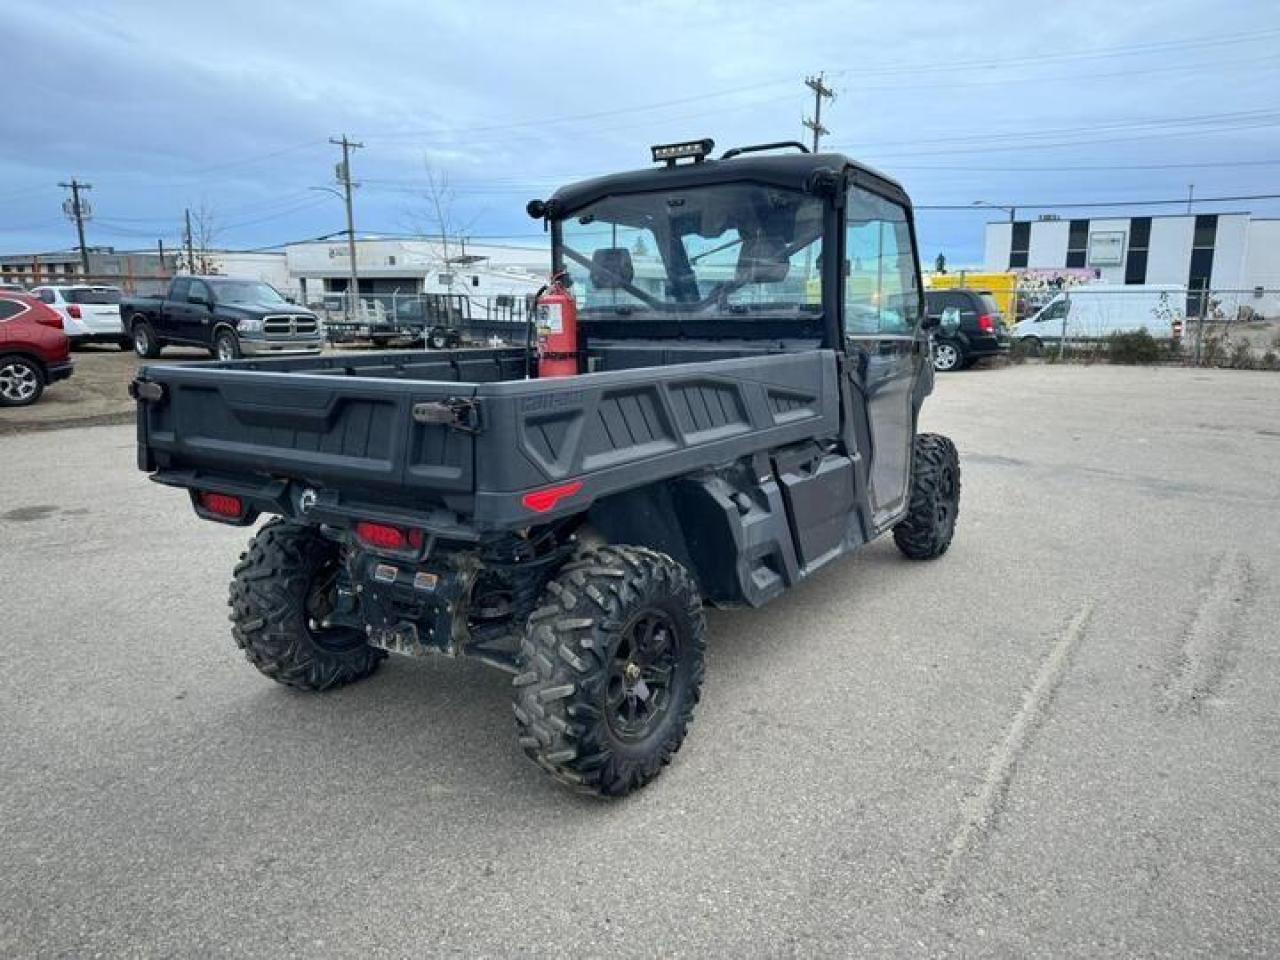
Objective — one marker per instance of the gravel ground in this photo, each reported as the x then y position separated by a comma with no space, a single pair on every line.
1059,740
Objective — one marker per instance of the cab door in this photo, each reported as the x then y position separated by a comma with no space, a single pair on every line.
886,348
197,319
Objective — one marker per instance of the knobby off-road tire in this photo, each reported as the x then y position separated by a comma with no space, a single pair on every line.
926,531
612,668
279,597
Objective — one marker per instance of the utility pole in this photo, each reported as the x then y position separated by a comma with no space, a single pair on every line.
1191,192
820,92
79,212
191,256
344,177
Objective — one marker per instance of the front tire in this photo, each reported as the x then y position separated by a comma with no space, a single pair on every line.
926,531
438,339
21,381
613,666
226,346
282,591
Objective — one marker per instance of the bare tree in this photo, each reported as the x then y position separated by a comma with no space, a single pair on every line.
204,227
446,233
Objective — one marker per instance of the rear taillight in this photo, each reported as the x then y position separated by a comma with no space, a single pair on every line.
222,505
541,501
987,323
47,318
383,536
74,311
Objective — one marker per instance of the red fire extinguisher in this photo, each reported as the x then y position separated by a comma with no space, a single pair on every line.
557,331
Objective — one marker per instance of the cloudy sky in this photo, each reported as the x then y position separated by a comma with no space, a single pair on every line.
229,106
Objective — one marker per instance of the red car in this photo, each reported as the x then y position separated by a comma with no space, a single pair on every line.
34,352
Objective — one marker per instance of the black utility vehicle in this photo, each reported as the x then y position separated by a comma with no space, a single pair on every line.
968,327
755,356
228,317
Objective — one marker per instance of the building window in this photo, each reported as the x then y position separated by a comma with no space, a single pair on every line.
1019,244
1135,265
1201,269
1077,243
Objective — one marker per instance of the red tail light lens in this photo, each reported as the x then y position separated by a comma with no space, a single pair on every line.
540,501
223,505
74,311
987,323
383,536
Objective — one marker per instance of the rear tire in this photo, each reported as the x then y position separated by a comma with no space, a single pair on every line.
145,344
613,666
947,356
926,531
438,339
21,381
278,597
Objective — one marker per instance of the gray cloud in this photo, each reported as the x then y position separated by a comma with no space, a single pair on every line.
160,105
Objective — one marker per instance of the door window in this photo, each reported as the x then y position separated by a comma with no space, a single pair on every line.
199,293
881,287
178,291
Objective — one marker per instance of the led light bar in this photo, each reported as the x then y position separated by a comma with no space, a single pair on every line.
669,153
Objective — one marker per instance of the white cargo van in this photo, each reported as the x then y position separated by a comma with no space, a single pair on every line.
1097,310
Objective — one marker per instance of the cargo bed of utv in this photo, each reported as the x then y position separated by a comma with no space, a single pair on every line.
461,440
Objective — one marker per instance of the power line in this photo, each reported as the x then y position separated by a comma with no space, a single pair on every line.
1077,204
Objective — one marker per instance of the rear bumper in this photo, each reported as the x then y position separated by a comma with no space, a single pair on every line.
987,346
59,371
274,348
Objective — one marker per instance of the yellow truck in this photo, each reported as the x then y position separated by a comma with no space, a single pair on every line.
1002,286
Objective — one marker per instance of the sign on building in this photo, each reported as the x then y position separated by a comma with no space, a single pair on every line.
1106,248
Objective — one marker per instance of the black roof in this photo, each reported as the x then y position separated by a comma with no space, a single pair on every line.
791,170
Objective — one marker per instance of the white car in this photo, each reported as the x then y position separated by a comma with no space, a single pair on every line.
90,313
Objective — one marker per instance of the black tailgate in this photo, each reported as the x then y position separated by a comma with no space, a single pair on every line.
351,432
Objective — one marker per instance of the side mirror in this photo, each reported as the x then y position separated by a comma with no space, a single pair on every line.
930,322
290,300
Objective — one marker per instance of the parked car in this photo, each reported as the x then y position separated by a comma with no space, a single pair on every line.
1095,311
34,352
227,316
90,313
970,327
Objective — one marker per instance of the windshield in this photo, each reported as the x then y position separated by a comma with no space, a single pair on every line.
740,249
247,291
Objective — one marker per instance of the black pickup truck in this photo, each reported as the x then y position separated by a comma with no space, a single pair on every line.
229,317
753,356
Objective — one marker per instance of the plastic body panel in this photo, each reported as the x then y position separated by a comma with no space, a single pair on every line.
345,426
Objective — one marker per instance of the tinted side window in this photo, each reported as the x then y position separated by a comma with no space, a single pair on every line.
11,308
47,296
199,292
881,288
178,290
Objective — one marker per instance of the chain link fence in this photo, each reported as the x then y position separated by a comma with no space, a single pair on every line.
435,319
1210,327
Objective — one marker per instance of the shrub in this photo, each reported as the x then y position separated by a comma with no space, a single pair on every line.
1136,347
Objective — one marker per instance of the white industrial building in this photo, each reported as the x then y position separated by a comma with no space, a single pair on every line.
1233,253
388,268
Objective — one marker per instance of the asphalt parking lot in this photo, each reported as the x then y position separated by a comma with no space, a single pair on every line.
1059,740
